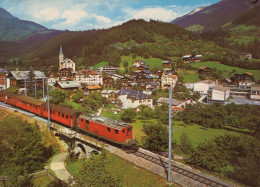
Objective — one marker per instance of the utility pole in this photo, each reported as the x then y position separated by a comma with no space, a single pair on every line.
48,106
25,90
43,89
35,91
170,134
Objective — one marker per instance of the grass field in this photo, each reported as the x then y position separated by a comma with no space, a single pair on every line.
194,132
189,76
226,70
100,64
132,175
151,62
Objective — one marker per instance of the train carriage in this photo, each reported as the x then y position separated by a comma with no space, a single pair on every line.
61,114
9,98
106,128
29,104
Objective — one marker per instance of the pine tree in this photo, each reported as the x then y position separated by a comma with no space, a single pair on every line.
30,82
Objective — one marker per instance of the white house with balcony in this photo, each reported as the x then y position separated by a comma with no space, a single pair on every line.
168,80
133,99
89,77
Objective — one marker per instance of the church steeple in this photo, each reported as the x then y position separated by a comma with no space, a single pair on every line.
61,50
61,58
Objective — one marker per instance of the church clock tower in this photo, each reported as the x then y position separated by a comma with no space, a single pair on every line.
61,58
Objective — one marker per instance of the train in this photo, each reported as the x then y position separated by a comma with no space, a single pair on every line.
102,128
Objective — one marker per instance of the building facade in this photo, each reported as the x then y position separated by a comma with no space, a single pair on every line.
65,63
89,77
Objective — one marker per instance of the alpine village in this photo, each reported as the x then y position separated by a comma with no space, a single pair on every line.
140,102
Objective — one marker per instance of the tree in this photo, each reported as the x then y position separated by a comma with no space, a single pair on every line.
94,101
185,144
146,112
128,115
156,138
125,64
30,81
94,172
57,96
77,96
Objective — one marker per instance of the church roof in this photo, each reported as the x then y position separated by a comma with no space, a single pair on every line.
67,60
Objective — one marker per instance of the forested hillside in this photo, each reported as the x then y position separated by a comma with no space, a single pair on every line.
154,38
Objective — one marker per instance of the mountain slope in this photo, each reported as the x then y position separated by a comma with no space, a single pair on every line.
12,28
214,16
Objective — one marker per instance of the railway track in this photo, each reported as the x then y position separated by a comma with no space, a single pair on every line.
208,181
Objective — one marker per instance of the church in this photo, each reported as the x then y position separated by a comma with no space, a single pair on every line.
65,63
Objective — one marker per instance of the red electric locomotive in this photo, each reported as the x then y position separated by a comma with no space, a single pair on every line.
105,128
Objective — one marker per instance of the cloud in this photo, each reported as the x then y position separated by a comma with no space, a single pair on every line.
155,13
47,14
102,19
73,16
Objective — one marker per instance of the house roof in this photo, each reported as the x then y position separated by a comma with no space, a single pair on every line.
203,67
220,88
154,83
166,62
21,75
61,109
166,100
147,71
67,60
133,94
93,87
186,56
30,100
249,73
144,66
198,56
68,84
228,80
149,77
107,122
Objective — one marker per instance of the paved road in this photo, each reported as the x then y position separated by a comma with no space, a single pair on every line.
58,166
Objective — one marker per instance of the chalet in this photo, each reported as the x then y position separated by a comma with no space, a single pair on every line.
116,77
133,99
168,80
142,68
18,78
152,86
65,73
92,88
245,56
67,85
167,63
218,94
89,77
167,71
187,58
246,78
109,93
108,81
127,80
226,82
107,69
52,81
197,58
204,71
138,63
255,92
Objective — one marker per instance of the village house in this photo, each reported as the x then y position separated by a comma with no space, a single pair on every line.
197,58
108,81
152,86
168,80
204,71
67,85
167,63
133,99
66,63
255,92
127,80
89,77
218,94
187,58
109,93
92,88
138,63
201,87
65,73
51,81
142,68
18,78
245,56
116,77
246,78
107,69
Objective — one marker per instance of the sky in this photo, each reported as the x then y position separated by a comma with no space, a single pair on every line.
79,15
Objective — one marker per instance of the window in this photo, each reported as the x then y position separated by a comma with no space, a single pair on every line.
62,115
116,131
87,122
108,129
124,131
67,117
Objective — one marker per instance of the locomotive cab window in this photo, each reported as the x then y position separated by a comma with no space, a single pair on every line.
108,129
116,131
